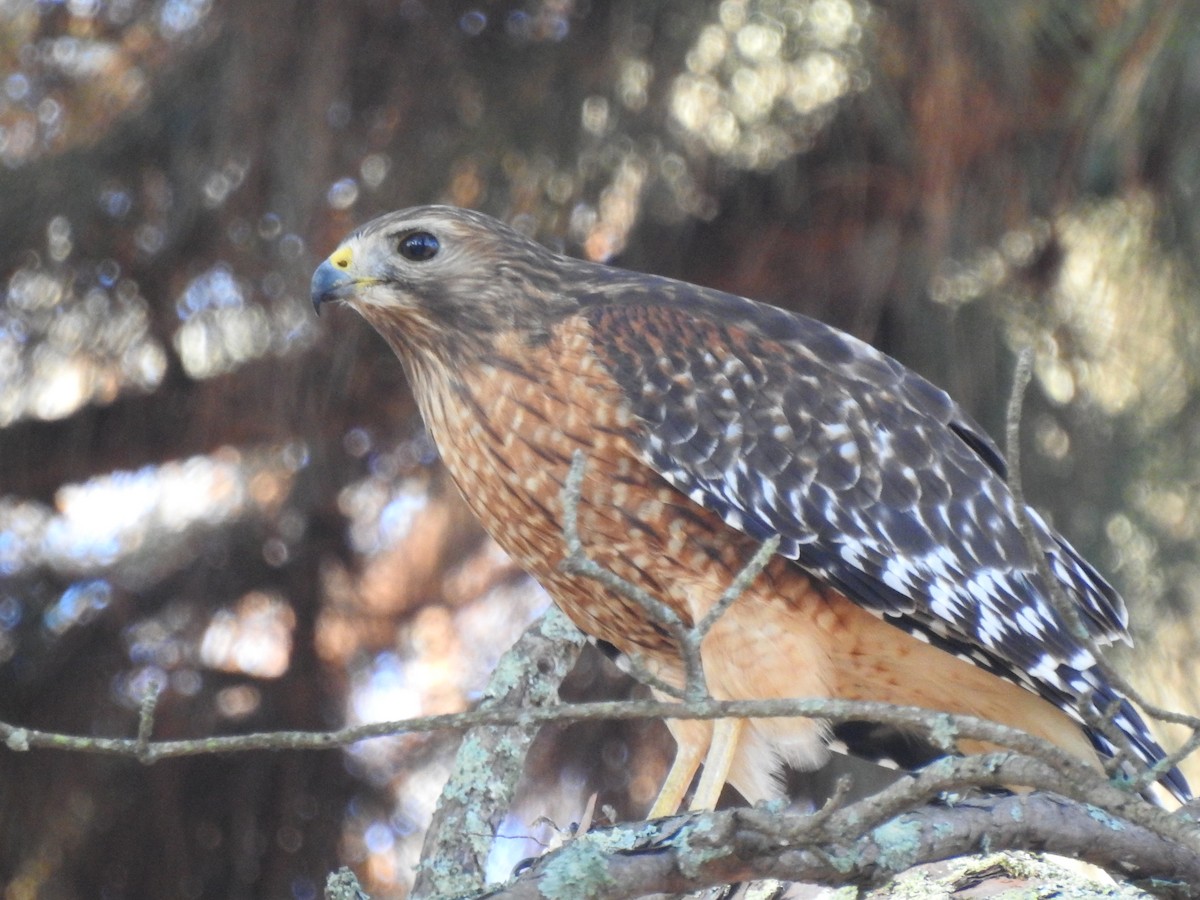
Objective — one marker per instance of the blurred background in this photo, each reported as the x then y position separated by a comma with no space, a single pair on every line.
206,489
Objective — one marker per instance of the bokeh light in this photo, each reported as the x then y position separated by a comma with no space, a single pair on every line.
63,346
763,79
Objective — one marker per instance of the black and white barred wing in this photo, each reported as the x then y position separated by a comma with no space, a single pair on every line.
876,482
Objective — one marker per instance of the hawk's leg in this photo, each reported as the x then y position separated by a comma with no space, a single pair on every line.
687,759
717,747
726,735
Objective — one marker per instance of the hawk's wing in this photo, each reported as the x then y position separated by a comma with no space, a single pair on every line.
875,480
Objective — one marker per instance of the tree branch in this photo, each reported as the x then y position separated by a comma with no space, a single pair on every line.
490,759
698,851
577,562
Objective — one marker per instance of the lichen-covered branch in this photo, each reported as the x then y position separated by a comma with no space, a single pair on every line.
697,851
490,759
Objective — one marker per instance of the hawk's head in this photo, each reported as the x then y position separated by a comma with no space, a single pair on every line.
441,280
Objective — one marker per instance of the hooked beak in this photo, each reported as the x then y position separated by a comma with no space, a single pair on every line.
333,280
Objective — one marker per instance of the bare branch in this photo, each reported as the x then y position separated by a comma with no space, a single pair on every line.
1071,776
738,586
1022,374
940,726
937,727
631,664
577,562
688,640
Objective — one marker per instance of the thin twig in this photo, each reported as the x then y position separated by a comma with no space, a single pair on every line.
146,712
1070,769
577,562
925,721
1022,374
837,800
739,585
688,640
694,638
631,664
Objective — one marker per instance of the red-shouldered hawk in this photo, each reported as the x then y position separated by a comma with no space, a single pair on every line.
711,423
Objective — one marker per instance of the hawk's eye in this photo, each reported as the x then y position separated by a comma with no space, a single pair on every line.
418,246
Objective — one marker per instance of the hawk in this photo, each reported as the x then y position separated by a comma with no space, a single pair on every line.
711,423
